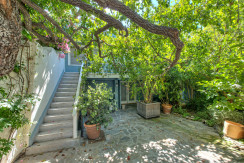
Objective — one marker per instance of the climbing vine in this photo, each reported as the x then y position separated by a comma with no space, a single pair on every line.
15,100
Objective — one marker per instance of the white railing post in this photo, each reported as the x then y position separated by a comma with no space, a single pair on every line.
75,115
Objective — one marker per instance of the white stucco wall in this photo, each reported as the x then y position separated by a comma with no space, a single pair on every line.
46,69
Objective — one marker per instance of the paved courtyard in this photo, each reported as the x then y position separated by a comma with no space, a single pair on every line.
131,138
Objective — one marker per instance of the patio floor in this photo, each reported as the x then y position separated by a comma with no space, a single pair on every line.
131,138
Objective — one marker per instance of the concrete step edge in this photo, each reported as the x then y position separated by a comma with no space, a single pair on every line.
56,131
57,123
55,126
57,116
51,135
51,146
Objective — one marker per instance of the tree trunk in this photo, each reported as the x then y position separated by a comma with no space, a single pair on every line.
10,35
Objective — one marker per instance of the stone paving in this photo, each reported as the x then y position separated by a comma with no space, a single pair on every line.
131,138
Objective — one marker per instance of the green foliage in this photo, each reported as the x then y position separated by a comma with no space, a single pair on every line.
11,110
226,95
210,122
211,61
196,119
26,34
185,114
220,116
198,103
5,146
12,115
179,110
171,87
204,115
97,103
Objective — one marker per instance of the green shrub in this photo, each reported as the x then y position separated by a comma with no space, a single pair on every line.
210,122
198,103
5,146
185,115
232,115
12,115
197,119
179,110
204,115
97,103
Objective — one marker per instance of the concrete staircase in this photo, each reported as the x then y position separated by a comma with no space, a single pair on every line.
56,131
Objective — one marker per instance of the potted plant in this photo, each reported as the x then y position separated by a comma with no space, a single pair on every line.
164,97
97,103
169,91
233,130
147,108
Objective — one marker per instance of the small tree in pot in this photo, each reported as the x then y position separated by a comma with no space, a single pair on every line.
164,97
170,88
148,87
97,103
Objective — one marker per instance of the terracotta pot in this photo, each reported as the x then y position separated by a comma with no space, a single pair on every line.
233,130
166,108
93,131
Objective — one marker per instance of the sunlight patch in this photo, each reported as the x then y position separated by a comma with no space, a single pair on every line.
212,157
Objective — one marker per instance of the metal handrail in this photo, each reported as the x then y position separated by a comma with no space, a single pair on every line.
75,115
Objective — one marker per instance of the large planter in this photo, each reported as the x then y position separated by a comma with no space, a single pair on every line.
148,110
166,108
93,131
233,130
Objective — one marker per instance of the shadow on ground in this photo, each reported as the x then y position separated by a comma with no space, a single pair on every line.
131,138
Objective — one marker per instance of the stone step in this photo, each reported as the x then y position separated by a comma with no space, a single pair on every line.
65,94
72,90
67,86
61,104
54,135
63,99
58,111
57,118
51,146
71,75
71,78
56,125
69,82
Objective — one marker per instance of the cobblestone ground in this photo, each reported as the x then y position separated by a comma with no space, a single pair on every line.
131,138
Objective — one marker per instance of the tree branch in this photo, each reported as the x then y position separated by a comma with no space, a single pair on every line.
42,26
98,13
28,22
44,13
79,28
43,39
169,60
29,25
100,30
172,33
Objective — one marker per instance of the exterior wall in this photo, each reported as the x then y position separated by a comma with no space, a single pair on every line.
70,68
73,58
49,70
46,69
